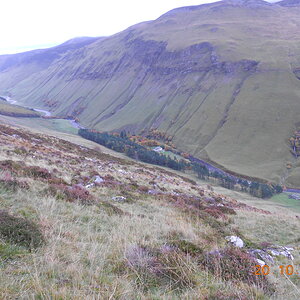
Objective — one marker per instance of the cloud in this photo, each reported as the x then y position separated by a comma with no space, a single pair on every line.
26,24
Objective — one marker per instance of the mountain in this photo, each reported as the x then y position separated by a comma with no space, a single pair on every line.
222,79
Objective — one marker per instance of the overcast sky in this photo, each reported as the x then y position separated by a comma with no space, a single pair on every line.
30,24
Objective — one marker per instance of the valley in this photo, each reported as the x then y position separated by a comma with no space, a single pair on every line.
221,79
204,170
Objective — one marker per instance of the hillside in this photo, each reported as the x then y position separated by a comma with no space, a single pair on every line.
222,79
76,223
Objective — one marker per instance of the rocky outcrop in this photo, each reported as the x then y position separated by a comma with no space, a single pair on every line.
265,255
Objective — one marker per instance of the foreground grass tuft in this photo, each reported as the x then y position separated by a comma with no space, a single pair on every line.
162,267
234,264
20,231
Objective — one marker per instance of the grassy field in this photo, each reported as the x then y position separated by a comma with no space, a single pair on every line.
284,201
42,125
8,109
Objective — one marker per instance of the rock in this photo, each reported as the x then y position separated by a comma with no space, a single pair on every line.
98,179
260,262
153,192
122,171
210,199
281,250
261,254
235,240
119,198
90,185
268,253
95,180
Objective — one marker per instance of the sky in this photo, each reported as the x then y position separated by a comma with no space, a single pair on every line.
32,24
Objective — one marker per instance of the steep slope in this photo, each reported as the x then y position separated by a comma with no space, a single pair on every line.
221,78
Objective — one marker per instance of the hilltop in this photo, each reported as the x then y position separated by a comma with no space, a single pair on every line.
221,79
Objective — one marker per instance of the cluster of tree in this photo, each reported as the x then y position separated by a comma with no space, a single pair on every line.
157,135
254,188
121,143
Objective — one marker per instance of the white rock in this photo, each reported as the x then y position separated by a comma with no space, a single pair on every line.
98,179
260,262
88,186
235,240
265,256
279,250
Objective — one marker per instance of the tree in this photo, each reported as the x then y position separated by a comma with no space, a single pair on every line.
123,134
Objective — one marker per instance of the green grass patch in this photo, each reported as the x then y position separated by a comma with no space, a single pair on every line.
20,231
284,200
60,125
8,109
8,252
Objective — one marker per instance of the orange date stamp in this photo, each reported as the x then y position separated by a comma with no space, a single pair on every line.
283,270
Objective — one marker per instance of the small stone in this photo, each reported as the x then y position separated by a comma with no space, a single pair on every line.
260,262
88,186
119,198
152,192
98,179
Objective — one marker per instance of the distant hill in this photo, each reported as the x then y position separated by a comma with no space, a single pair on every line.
222,79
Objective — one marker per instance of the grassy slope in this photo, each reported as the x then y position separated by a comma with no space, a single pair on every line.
88,247
257,116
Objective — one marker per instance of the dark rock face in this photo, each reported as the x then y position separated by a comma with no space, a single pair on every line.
153,57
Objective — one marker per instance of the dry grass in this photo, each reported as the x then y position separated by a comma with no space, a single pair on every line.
149,246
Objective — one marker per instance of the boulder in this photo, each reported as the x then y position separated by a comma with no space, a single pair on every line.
235,240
